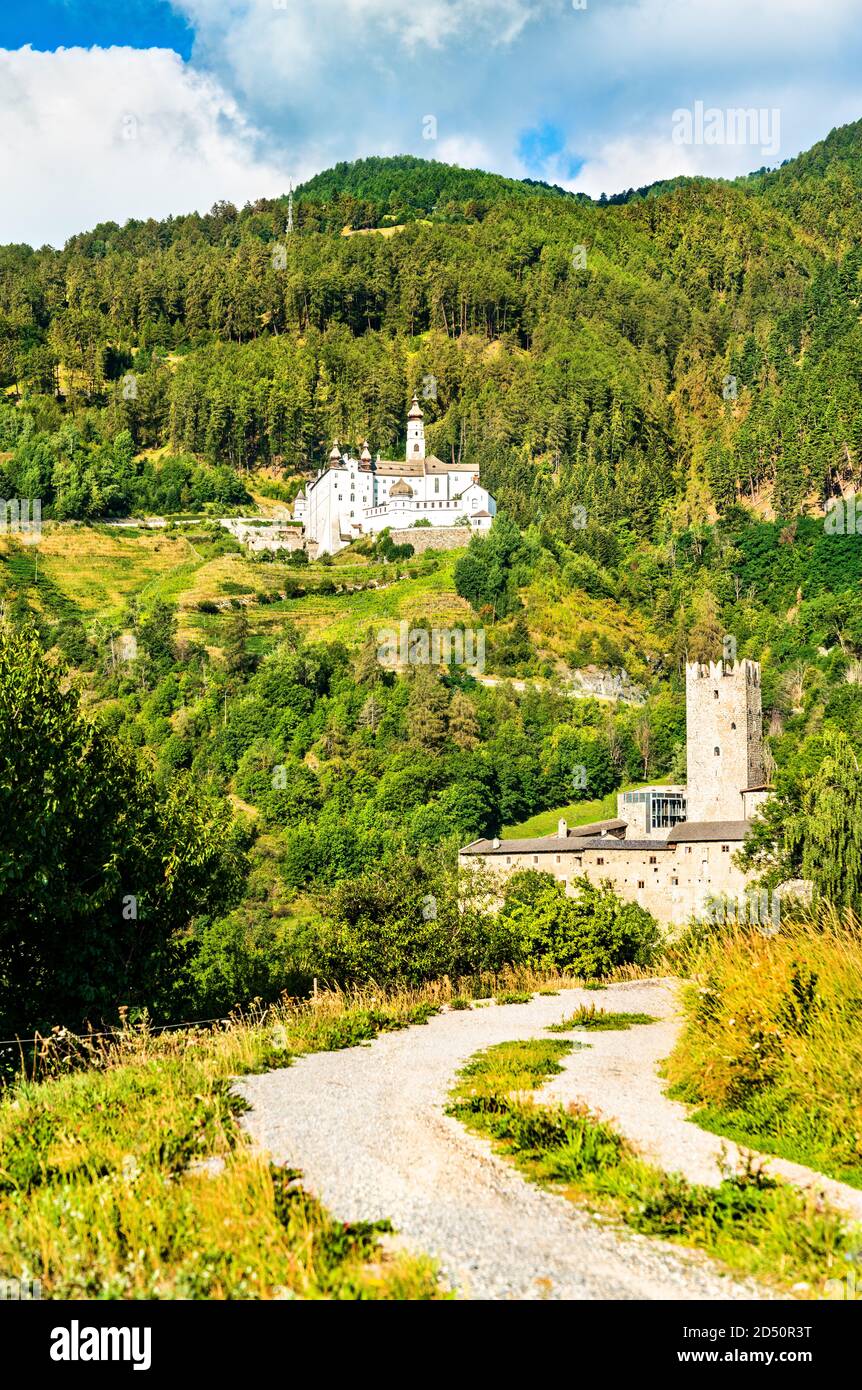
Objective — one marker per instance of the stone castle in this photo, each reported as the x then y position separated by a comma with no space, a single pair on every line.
671,849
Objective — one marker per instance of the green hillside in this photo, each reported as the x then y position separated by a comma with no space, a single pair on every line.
662,392
706,354
403,187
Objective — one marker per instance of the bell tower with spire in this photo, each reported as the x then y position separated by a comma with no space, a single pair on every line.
415,432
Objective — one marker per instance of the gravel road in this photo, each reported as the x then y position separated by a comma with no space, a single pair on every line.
366,1127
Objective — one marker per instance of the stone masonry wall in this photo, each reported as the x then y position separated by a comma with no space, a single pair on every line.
724,739
433,537
672,882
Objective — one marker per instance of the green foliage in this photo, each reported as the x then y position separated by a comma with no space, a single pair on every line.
809,827
589,934
100,869
385,926
384,548
376,191
485,576
238,659
826,834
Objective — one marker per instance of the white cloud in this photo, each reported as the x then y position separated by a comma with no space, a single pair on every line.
620,164
93,135
348,78
467,151
278,89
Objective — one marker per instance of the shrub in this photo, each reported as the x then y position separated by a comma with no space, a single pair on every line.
100,870
588,935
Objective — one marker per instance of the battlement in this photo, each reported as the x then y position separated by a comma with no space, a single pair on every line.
723,670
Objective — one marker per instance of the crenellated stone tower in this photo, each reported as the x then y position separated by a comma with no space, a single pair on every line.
724,738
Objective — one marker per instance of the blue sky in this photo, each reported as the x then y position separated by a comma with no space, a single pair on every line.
145,108
50,24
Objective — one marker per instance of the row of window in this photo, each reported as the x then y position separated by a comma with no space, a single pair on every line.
444,503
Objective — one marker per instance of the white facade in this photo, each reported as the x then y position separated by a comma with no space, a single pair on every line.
358,497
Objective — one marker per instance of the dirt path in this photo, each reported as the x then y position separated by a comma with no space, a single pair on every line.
619,1079
366,1127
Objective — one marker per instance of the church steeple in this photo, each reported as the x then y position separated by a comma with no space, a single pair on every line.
415,432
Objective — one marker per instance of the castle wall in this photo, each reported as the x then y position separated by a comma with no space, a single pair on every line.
675,880
724,739
672,882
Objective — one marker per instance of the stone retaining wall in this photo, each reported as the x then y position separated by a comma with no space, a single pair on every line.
433,537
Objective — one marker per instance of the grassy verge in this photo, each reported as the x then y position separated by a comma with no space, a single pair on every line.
124,1172
753,1225
132,1178
598,1020
771,1051
576,813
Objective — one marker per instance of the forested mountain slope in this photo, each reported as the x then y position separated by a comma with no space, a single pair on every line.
709,348
662,392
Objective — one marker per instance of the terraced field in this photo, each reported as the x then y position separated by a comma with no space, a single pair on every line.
94,572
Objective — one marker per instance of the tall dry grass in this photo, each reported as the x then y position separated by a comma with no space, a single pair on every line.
771,1049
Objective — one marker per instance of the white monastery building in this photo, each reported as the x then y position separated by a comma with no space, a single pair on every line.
357,497
671,849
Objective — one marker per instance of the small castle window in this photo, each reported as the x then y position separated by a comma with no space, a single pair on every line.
600,859
558,859
733,726
717,751
508,858
674,883
652,859
535,858
725,849
641,883
715,694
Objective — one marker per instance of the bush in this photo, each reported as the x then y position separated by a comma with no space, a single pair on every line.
588,935
246,955
101,871
398,924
